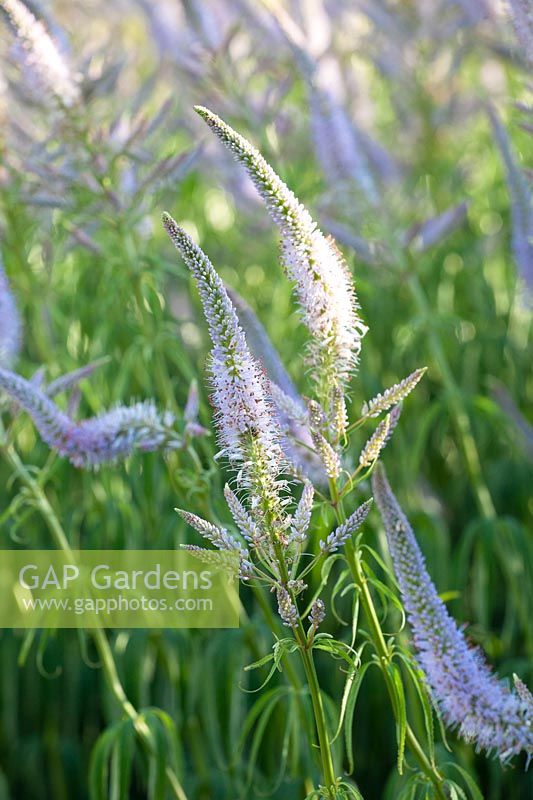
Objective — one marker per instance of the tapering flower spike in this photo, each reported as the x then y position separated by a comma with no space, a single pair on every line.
248,431
323,284
218,536
318,613
379,439
41,54
191,411
10,325
71,380
392,396
521,198
468,695
524,693
340,535
91,442
522,18
286,608
302,516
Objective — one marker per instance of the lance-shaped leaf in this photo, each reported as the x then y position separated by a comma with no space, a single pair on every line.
245,417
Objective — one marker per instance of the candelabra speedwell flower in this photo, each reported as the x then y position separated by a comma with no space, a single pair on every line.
286,453
322,281
10,325
105,438
40,55
257,411
469,696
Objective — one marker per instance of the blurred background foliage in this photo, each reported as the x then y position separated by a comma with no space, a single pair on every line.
81,192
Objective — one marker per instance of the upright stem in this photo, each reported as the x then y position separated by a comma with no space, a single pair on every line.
314,690
100,639
320,717
380,645
274,624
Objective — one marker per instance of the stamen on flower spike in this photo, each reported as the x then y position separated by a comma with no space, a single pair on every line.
302,515
392,396
248,431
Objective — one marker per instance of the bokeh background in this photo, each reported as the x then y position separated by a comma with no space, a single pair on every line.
382,116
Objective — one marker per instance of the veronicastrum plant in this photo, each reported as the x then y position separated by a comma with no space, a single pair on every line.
102,185
272,499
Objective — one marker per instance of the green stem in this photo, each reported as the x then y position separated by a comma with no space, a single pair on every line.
320,717
106,656
460,415
380,645
141,728
324,744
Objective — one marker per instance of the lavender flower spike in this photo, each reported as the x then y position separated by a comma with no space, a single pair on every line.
323,284
470,698
286,608
41,54
318,613
245,416
338,143
379,439
221,539
392,396
108,437
248,527
71,380
302,515
522,18
341,534
10,325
